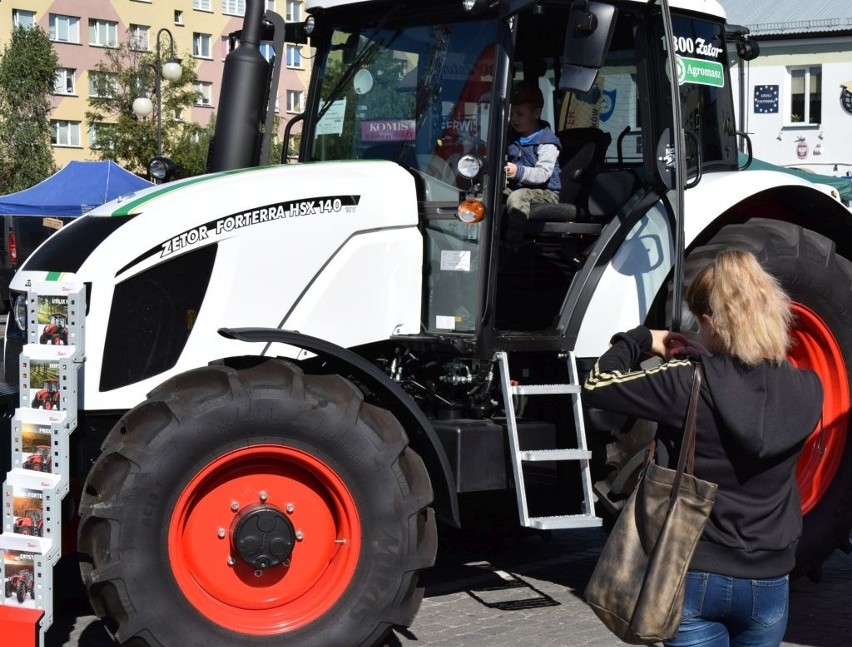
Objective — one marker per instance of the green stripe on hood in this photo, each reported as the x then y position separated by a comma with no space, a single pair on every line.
130,207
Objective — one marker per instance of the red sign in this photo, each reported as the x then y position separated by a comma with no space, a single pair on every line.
388,130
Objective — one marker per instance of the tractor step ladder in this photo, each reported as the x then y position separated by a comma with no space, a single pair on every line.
587,518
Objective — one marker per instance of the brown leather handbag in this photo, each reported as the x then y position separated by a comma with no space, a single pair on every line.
638,585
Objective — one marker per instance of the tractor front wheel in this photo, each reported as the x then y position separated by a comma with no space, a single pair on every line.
259,506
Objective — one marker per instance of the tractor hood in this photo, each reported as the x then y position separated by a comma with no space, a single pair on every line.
270,247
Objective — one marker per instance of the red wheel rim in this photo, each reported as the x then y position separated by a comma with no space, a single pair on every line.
283,598
816,348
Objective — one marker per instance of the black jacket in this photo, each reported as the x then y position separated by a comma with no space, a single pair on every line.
751,426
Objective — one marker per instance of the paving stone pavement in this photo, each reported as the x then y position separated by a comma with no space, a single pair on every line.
529,594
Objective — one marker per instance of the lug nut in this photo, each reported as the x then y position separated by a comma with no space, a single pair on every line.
231,561
290,507
235,506
262,495
221,533
300,535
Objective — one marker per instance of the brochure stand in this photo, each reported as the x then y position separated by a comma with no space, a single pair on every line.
31,541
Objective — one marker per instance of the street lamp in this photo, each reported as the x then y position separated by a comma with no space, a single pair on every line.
171,71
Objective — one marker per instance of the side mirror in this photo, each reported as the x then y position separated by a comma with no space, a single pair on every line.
747,49
588,36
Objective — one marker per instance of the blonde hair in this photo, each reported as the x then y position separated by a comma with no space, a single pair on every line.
750,310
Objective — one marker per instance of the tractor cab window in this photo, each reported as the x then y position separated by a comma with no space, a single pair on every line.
604,163
706,100
417,95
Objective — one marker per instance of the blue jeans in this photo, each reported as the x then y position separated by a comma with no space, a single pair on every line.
721,611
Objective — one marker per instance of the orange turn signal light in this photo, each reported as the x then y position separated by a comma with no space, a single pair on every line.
471,211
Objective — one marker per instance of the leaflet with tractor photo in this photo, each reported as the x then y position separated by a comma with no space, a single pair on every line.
48,378
40,444
56,314
31,505
27,575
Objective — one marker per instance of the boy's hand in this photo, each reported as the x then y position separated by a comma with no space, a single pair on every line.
511,170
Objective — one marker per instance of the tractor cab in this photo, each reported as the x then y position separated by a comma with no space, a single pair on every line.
40,460
56,330
429,89
29,522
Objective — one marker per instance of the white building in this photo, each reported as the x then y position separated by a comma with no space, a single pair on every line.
795,99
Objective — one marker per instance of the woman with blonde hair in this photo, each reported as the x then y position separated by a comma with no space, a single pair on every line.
755,412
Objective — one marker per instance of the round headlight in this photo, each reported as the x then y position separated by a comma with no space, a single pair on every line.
19,311
469,166
162,169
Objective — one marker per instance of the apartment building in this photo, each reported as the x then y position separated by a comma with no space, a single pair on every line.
82,31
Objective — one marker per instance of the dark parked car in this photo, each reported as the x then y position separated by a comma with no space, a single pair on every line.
21,235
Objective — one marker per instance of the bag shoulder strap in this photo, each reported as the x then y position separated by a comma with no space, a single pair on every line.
686,460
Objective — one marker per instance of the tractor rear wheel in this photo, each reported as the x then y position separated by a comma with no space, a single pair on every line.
21,592
820,284
257,506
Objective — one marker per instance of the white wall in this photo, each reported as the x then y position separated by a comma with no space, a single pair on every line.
774,137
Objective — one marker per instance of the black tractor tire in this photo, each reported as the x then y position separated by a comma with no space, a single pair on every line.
214,446
21,592
7,589
819,281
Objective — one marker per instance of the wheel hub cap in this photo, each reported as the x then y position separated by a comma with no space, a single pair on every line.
263,537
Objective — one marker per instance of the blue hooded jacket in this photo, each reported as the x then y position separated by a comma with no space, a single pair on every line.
523,151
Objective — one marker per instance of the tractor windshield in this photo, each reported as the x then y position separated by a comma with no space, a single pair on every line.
705,95
418,95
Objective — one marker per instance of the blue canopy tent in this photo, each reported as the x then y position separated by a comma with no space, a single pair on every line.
28,217
78,188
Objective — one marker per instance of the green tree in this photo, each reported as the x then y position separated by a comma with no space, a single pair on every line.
27,76
124,75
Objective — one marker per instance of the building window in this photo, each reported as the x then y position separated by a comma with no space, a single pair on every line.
294,56
294,100
94,131
806,95
267,51
139,37
201,45
23,18
234,7
201,5
178,17
103,33
64,82
294,11
65,133
102,84
204,93
64,29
